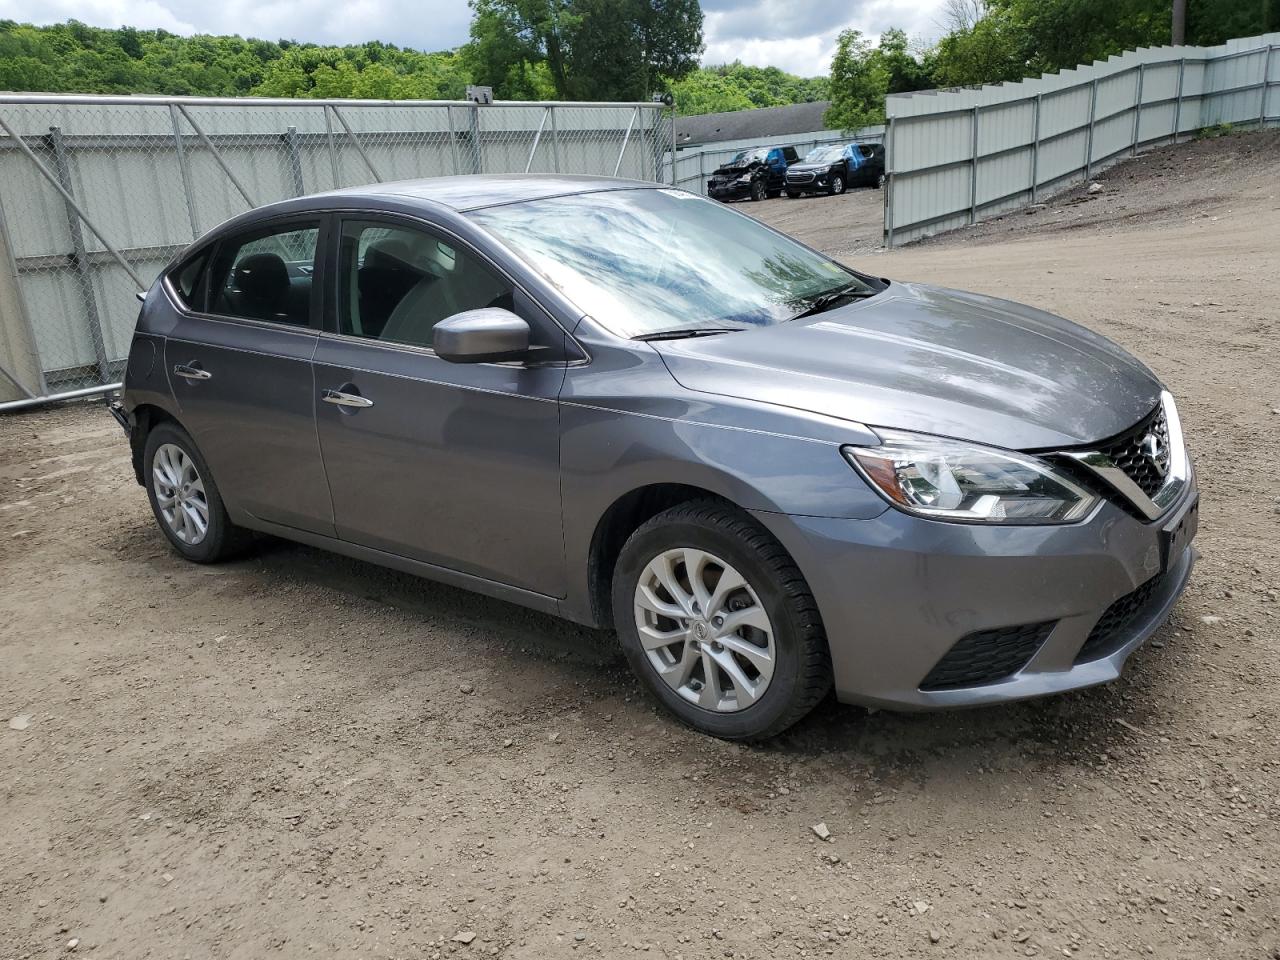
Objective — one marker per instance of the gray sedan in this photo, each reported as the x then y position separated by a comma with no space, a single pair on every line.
641,410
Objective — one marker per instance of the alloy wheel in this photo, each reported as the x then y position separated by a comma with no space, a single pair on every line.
704,630
180,493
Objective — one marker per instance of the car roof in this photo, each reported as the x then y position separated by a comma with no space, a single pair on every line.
474,191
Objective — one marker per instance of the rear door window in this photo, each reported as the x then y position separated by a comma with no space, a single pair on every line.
267,275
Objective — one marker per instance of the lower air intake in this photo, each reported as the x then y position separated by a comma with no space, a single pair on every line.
987,656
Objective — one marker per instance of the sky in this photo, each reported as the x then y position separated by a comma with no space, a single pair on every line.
798,36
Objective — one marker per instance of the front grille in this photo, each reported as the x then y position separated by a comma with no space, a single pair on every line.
1111,631
799,177
987,656
1128,453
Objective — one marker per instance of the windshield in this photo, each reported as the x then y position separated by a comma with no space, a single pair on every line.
824,154
643,261
746,156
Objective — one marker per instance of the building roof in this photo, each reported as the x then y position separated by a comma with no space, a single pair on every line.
746,124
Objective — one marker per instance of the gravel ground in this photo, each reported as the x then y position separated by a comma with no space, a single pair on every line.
301,755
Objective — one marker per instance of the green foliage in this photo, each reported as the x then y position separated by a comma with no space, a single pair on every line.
862,75
590,49
735,86
74,58
1215,131
1013,39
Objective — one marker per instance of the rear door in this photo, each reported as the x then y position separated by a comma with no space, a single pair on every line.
456,465
238,360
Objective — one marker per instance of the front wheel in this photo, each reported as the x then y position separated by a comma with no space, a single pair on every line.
185,500
718,622
837,185
758,190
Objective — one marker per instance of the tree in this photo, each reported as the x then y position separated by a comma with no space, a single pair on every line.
592,49
862,75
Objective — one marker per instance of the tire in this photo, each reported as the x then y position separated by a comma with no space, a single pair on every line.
758,190
221,539
837,186
793,649
793,194
878,183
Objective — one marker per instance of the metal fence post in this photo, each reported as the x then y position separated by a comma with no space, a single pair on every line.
295,160
1177,110
181,150
1266,75
1035,151
640,138
973,173
79,256
673,144
1088,138
333,147
477,156
1137,109
453,139
555,141
888,183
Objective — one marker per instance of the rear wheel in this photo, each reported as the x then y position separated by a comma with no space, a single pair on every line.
185,499
717,621
879,182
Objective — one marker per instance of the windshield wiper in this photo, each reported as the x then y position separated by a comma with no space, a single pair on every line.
681,333
825,301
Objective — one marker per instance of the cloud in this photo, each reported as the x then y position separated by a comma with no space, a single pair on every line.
436,25
802,38
797,37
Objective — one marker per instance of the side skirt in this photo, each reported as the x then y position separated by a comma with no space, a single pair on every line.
428,571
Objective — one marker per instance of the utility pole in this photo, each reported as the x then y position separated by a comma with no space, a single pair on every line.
1179,22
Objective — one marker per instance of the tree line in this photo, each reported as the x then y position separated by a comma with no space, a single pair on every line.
615,50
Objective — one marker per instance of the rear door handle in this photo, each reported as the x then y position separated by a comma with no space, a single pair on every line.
340,399
190,372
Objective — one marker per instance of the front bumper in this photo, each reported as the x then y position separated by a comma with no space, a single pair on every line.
897,593
729,191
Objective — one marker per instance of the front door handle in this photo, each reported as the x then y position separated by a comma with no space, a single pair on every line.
191,372
340,399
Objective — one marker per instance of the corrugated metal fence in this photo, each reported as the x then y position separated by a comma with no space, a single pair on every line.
98,193
955,157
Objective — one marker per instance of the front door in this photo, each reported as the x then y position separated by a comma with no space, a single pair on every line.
456,465
238,357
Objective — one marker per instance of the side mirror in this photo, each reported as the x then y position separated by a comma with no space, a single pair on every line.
487,335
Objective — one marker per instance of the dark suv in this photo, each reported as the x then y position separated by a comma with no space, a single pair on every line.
757,173
836,167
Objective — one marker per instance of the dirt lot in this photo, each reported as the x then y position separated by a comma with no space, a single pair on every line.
300,755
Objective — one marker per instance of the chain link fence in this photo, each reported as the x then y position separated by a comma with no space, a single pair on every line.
97,194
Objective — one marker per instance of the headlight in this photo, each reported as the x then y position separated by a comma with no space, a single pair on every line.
953,480
745,178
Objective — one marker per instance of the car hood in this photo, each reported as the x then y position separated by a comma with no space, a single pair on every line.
935,361
812,167
735,170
